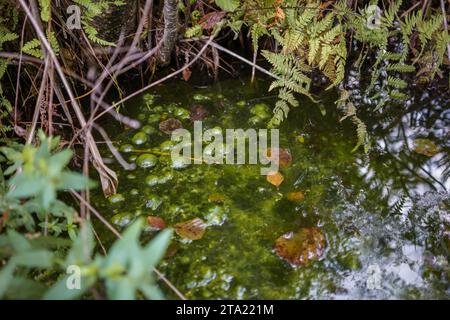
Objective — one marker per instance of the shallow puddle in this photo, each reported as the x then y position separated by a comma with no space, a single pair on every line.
384,216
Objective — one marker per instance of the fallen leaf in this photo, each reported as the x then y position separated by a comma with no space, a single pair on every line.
280,156
169,125
275,178
208,21
193,229
301,248
172,249
155,222
197,113
295,196
425,147
216,197
187,74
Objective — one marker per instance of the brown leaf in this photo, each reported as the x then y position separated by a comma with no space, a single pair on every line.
425,147
275,178
197,113
169,125
192,229
301,248
187,74
155,222
209,20
280,156
295,196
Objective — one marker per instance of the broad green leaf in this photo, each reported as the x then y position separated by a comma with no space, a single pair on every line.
121,289
18,242
72,180
60,290
59,161
83,246
227,5
48,196
25,186
6,276
34,259
24,288
154,251
151,292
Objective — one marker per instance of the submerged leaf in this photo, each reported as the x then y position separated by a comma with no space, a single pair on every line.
193,229
280,156
425,147
275,178
197,113
295,196
155,222
169,125
301,248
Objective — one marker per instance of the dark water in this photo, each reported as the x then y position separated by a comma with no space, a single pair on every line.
385,214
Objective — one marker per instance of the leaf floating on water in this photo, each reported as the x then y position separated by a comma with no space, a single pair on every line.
192,229
301,248
216,197
280,156
295,196
275,178
425,147
169,125
198,113
156,223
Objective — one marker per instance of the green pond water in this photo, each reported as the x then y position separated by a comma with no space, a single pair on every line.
385,214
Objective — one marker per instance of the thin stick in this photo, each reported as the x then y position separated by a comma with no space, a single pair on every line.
444,15
254,65
107,176
114,151
160,80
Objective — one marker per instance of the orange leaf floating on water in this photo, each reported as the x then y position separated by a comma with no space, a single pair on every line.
193,229
197,113
280,156
301,248
169,125
295,196
216,197
275,178
155,222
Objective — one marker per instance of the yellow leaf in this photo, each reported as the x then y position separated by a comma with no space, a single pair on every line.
275,178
